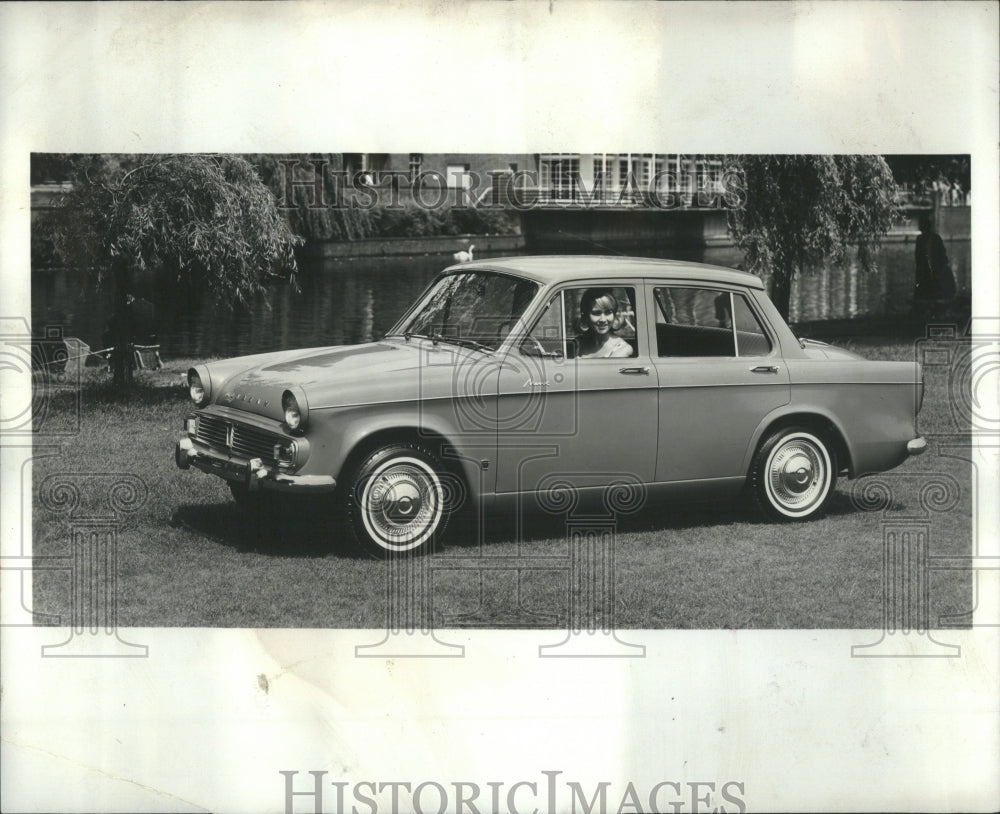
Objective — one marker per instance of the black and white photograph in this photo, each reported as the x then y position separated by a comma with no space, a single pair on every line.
371,442
379,356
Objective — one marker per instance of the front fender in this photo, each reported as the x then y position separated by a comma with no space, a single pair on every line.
335,433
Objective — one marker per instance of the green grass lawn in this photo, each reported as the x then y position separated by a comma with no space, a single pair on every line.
191,557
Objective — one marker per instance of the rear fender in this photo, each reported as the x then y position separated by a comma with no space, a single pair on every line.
791,414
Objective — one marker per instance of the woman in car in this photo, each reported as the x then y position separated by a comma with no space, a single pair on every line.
599,321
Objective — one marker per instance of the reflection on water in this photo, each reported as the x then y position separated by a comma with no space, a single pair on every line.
848,292
344,301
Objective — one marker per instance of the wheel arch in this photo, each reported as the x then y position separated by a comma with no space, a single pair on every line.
435,442
820,423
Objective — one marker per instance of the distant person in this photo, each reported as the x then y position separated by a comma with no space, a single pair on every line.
599,321
934,283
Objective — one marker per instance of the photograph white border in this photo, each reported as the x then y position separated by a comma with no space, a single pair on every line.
787,713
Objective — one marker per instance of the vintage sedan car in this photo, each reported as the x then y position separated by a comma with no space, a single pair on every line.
524,378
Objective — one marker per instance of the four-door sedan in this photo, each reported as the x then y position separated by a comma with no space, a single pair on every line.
514,377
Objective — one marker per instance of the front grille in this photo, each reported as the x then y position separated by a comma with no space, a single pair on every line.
247,441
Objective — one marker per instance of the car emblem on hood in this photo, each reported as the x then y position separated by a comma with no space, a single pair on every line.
231,396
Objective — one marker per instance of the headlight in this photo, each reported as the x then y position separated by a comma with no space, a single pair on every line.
196,388
293,416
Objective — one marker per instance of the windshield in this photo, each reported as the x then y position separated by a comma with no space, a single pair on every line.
476,308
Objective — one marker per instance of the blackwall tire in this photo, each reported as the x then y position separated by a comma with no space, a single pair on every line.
396,501
793,475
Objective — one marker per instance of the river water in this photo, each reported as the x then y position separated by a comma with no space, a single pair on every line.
344,301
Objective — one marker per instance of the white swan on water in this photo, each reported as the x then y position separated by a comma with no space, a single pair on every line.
464,257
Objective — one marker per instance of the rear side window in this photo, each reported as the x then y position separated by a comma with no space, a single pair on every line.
750,337
693,322
706,322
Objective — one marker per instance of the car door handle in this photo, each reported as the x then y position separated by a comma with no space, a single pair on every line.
634,371
764,369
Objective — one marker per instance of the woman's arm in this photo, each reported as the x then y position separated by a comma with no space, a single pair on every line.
621,349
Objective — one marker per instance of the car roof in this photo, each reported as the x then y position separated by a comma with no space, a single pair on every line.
555,268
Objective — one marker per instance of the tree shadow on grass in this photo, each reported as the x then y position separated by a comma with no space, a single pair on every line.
286,525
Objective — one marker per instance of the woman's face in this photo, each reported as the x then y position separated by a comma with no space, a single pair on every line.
601,315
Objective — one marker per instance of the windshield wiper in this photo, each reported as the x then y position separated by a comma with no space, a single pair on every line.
407,335
435,337
464,342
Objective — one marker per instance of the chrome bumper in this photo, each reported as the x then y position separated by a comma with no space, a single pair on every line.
916,446
252,472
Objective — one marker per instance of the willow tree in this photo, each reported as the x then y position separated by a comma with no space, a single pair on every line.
798,213
316,194
195,221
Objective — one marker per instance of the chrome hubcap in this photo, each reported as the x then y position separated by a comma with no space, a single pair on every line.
402,504
798,474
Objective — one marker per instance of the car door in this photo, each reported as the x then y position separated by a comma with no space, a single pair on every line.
719,374
575,418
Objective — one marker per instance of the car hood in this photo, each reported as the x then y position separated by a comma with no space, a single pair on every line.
815,349
331,376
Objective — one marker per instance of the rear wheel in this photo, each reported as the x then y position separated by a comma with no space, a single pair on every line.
396,501
793,474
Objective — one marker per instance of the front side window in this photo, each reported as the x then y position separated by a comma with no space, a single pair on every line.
547,337
598,322
601,322
471,308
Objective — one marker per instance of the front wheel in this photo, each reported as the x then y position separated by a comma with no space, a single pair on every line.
793,474
396,501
